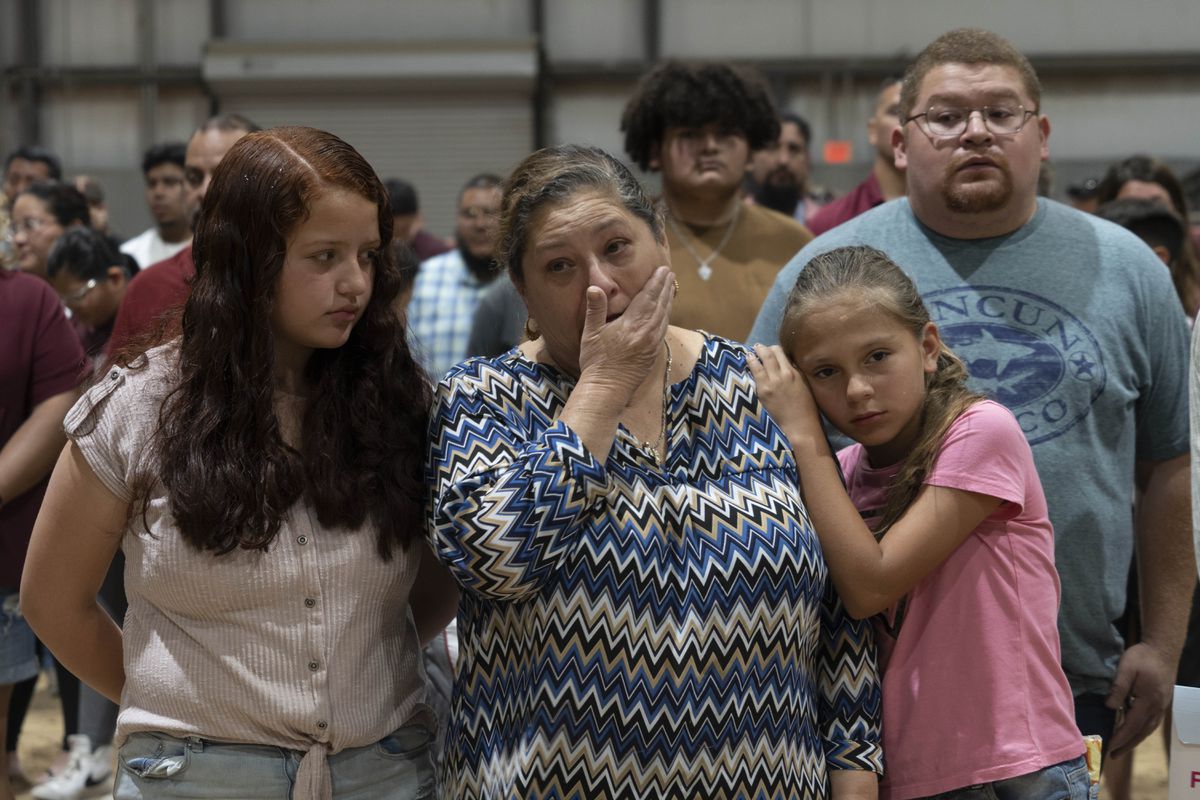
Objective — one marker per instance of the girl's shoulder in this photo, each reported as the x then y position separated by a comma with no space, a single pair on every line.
130,388
114,421
986,444
986,421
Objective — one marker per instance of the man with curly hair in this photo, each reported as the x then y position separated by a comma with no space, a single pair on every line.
697,124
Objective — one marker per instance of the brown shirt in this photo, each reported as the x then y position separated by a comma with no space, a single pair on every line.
727,303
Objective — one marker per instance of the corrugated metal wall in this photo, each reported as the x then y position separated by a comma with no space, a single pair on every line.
436,142
114,76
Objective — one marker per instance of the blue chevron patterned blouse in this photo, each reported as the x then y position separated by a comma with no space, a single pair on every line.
635,631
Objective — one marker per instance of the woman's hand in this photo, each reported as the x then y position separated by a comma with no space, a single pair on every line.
620,353
786,397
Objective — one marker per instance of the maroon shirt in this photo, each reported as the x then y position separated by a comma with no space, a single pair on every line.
861,198
41,358
153,293
426,245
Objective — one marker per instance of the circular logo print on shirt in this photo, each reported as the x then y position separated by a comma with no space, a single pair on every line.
1024,351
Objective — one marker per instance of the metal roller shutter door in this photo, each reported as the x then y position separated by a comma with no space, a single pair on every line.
435,141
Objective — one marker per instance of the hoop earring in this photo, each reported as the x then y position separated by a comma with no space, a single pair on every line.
531,331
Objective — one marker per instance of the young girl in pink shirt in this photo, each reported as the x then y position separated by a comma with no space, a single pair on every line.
940,532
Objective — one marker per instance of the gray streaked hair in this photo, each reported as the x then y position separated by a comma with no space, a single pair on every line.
551,176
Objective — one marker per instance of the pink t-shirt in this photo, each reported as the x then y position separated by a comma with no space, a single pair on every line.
973,688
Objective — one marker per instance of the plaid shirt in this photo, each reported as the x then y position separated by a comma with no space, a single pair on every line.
442,309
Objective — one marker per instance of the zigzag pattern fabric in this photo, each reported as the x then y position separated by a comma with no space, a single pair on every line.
635,631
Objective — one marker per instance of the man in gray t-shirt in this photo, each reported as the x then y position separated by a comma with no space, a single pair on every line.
1074,325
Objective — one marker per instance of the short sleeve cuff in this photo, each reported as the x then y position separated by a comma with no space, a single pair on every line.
1165,451
94,437
859,755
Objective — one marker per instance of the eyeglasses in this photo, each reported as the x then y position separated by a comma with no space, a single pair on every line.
475,213
943,121
80,293
30,225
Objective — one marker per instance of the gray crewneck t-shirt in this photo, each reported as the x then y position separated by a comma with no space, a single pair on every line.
1072,323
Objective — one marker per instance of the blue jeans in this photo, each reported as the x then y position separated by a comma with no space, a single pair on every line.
153,765
18,649
1065,781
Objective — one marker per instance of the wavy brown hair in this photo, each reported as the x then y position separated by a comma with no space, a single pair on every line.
866,273
228,472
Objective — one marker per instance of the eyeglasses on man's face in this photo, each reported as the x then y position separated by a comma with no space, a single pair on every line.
942,121
76,296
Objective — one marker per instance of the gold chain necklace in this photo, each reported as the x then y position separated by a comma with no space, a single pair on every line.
652,447
705,264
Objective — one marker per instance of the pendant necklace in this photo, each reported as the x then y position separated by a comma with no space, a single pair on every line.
652,448
705,269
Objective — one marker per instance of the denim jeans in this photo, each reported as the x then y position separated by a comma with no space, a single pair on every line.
18,649
1065,781
154,765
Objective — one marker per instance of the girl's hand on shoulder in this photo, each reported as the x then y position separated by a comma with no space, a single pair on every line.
785,395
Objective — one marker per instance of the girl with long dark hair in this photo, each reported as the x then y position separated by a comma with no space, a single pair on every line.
262,475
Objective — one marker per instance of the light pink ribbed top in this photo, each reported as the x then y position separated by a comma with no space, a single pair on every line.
308,646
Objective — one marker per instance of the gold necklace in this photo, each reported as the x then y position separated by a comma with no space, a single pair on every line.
652,447
705,264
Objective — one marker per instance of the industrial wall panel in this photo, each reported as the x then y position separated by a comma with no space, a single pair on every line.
96,131
872,28
584,30
590,115
837,114
181,27
882,27
177,113
104,32
94,126
8,32
93,33
436,142
1116,117
275,20
99,126
746,29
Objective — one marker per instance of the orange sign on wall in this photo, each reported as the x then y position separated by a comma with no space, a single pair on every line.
838,151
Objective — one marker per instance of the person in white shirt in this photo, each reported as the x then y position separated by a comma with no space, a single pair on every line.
162,167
